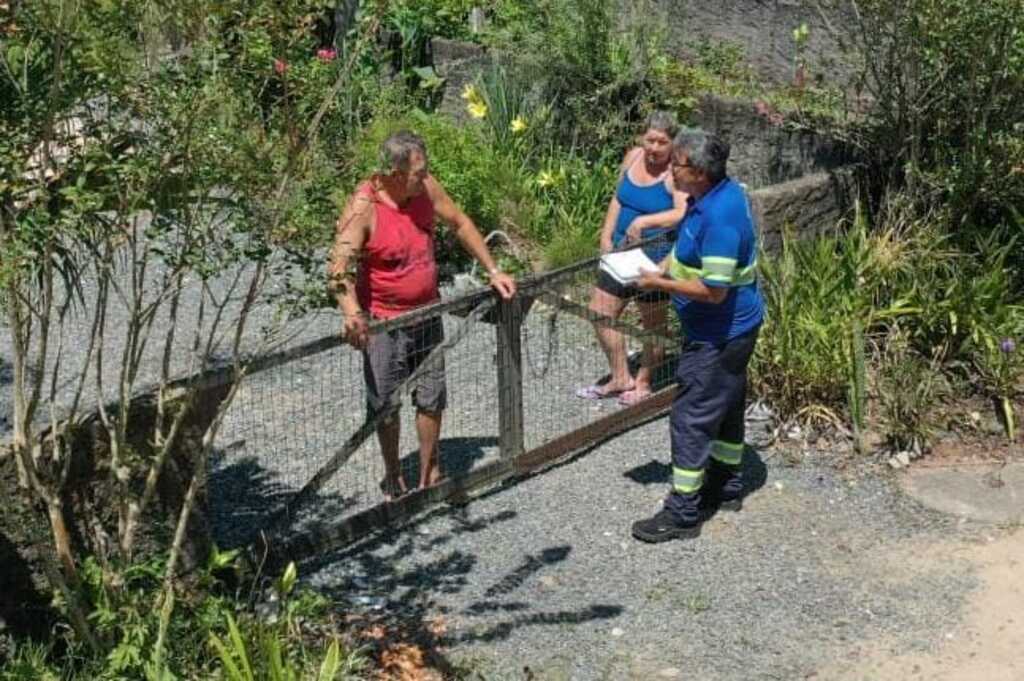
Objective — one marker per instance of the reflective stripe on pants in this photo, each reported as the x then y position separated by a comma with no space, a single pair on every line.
707,415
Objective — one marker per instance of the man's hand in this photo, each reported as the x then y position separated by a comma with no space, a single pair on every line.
503,284
355,331
650,279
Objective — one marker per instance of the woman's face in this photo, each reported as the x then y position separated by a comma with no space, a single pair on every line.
657,147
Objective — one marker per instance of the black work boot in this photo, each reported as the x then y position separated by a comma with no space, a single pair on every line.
663,526
723,489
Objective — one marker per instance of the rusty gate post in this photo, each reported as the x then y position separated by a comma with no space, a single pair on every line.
510,378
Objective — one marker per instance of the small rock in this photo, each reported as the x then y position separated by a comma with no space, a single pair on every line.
607,534
616,632
779,486
669,673
903,458
371,602
895,463
548,582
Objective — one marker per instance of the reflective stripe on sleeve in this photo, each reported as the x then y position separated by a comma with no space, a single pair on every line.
714,269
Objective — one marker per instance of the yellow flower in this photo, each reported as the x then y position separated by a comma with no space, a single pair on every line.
477,109
545,179
470,94
518,124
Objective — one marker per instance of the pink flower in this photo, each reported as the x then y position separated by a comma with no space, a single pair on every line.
326,55
280,67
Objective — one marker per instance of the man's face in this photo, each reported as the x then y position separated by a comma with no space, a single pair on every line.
686,177
413,175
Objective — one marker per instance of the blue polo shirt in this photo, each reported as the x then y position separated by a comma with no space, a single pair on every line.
717,244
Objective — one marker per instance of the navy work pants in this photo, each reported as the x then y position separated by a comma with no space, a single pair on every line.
707,421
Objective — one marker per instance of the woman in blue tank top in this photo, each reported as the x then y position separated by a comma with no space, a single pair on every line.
646,206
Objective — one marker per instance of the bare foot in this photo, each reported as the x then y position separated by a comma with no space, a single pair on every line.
393,488
434,477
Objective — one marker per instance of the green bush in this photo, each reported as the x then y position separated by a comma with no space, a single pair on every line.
946,83
816,292
908,390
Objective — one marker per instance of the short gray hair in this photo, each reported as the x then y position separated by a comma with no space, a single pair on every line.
708,153
398,147
663,121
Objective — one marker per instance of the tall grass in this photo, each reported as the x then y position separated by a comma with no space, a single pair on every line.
874,320
817,293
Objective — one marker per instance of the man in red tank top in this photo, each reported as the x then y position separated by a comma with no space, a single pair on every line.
383,265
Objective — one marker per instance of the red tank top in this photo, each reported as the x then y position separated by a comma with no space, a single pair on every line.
398,270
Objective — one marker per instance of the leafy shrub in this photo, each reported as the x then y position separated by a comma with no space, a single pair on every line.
572,197
909,388
815,292
946,85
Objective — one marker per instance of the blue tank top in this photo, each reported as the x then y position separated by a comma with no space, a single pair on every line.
636,200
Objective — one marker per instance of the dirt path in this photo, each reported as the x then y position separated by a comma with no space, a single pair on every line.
988,645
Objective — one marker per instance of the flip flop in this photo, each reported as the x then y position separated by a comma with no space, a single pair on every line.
630,397
595,392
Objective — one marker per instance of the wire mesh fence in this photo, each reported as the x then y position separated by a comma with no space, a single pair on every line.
300,460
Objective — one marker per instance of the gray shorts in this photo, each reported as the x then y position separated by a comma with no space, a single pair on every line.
392,356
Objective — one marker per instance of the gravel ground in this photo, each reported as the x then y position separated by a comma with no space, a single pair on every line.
544,575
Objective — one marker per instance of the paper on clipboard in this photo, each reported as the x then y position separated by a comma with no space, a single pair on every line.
625,266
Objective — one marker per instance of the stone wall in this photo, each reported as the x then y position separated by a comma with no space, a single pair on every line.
764,29
808,206
763,152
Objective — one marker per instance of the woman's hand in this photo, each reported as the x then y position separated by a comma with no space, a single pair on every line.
606,245
635,231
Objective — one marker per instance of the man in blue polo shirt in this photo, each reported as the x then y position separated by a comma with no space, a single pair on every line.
711,275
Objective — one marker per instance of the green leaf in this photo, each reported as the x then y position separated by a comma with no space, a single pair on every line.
331,664
227,660
287,581
222,559
240,650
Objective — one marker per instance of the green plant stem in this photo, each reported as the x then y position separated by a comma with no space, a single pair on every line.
1007,408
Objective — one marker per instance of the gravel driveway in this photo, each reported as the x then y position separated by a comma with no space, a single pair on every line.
541,579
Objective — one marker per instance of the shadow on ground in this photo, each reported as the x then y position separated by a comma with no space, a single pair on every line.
245,496
458,457
25,610
654,472
370,572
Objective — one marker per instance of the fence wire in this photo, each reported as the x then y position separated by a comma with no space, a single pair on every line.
288,422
